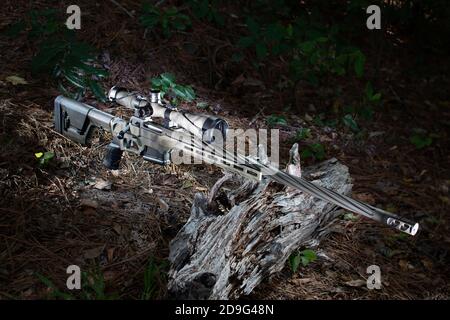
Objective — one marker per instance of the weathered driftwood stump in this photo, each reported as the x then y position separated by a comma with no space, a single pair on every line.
224,256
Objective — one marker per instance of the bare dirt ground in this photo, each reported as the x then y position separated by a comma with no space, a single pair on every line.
117,223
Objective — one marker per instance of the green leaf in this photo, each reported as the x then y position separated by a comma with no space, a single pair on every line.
275,32
48,56
98,72
319,151
202,105
14,29
75,79
97,90
252,26
237,57
156,83
245,42
294,261
304,257
261,50
190,94
48,155
421,140
376,97
350,216
55,292
307,46
276,120
350,122
303,133
307,256
360,60
369,90
307,153
315,150
168,78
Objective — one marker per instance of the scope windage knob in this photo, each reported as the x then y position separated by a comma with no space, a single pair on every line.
155,96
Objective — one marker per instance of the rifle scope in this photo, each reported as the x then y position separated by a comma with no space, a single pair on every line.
200,125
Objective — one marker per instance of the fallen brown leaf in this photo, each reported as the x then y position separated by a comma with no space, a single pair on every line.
89,203
101,184
93,253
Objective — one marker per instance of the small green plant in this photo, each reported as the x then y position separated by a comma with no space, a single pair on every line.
265,38
207,9
371,95
304,258
165,19
369,101
167,85
92,285
321,121
274,120
315,150
44,157
71,63
350,122
350,216
319,56
303,134
152,275
421,139
55,292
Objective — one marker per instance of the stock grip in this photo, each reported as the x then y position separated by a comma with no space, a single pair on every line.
112,157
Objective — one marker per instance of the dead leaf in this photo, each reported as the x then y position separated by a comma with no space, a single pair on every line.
15,80
239,80
365,197
252,82
101,184
405,265
356,283
110,254
89,203
117,228
444,199
427,263
115,173
93,253
186,184
109,276
308,117
163,205
171,180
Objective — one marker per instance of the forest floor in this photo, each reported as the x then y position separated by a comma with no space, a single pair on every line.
117,225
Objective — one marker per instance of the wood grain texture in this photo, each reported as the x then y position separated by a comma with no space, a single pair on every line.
220,255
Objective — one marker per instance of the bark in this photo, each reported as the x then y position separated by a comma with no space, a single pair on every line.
220,255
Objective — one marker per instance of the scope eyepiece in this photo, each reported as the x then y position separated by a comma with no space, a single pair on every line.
212,126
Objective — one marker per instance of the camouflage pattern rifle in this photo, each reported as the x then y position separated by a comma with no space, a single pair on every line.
156,142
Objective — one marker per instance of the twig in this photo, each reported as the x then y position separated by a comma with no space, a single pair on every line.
123,9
